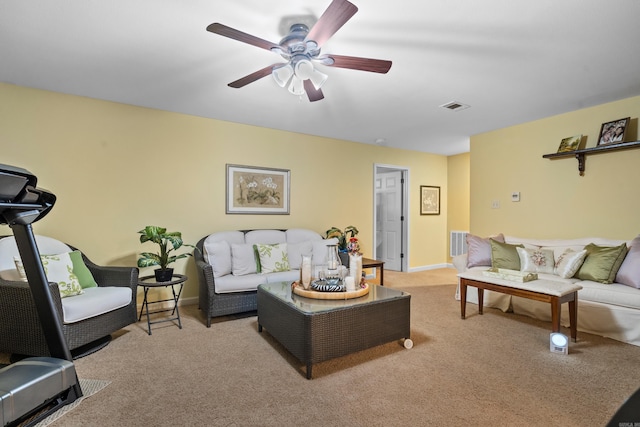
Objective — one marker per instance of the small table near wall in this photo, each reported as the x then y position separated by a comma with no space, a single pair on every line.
148,282
374,263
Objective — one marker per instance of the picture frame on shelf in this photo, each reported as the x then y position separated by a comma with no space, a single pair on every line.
571,143
429,200
257,190
613,132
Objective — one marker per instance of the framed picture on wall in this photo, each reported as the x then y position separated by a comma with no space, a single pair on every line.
429,200
571,143
257,190
613,132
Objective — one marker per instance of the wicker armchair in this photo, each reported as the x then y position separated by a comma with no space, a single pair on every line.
20,330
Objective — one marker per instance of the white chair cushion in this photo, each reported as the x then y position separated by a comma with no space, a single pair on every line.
9,250
94,302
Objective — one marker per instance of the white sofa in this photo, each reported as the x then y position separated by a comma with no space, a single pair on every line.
610,310
230,268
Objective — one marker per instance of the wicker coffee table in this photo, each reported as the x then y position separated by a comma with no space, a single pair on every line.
316,330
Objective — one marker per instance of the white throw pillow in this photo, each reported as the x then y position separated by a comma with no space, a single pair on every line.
569,262
20,268
536,260
320,250
243,260
59,269
273,257
219,257
296,251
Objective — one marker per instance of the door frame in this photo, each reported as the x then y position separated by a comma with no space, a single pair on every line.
404,264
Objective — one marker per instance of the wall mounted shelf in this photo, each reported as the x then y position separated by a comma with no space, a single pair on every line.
582,154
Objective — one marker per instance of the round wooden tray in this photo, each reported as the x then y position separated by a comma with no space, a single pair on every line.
308,293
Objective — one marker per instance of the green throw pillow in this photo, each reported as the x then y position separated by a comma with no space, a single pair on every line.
602,263
81,271
504,255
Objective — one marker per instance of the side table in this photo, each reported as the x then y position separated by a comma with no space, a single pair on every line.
374,263
148,282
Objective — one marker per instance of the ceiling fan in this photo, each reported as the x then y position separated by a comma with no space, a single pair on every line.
301,49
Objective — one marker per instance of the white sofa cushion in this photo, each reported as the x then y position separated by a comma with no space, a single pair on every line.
94,302
282,276
298,235
265,236
614,293
231,283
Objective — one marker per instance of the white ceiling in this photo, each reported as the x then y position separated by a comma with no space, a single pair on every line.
511,61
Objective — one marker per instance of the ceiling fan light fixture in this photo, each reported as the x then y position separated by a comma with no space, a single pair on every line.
296,87
305,70
282,74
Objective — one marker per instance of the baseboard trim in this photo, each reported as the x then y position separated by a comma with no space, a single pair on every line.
430,267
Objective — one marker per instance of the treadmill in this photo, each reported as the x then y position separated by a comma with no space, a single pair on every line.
35,387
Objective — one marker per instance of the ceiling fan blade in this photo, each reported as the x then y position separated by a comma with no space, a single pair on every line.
232,33
252,77
313,93
363,64
336,15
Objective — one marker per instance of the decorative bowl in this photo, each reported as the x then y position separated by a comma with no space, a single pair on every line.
328,285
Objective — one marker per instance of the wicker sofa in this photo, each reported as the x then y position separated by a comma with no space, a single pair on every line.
229,272
93,317
607,309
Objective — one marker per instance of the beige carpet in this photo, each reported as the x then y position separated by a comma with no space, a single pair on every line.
490,370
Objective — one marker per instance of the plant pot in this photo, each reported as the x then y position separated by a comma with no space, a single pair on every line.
344,258
163,275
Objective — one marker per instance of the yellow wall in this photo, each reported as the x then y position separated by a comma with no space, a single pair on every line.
458,194
116,168
555,201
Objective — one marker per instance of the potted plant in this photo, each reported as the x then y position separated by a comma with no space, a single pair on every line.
343,237
168,242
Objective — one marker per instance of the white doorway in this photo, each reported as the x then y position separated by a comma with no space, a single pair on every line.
390,216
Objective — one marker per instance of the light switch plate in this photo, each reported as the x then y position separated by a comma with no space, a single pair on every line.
515,196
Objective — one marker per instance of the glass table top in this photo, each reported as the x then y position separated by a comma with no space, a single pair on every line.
282,291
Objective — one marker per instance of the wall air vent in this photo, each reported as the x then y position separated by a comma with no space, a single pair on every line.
455,106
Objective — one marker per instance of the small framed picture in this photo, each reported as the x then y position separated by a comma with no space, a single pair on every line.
257,190
613,132
571,143
429,200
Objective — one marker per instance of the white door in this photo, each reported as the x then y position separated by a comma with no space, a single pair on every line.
389,219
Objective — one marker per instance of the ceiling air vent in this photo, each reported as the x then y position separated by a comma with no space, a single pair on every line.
455,106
